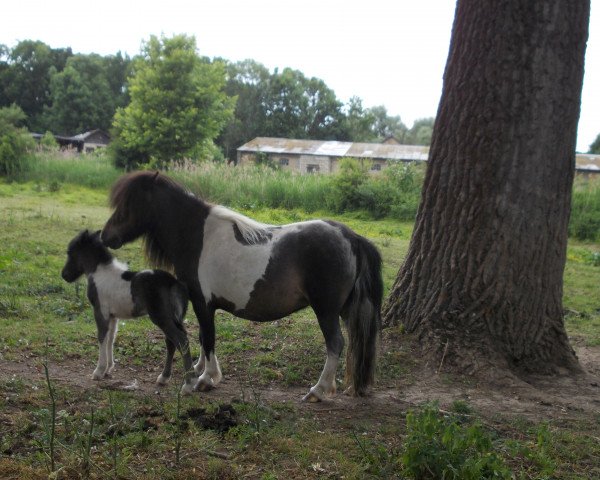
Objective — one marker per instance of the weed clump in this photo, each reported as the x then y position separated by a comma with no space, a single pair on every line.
439,446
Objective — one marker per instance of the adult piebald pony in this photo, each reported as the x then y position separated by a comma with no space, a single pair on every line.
255,271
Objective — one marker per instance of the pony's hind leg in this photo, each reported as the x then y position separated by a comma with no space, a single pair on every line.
165,376
334,340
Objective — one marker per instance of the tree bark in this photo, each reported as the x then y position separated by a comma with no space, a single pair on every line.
482,281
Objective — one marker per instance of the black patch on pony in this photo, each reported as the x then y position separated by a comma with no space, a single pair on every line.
127,275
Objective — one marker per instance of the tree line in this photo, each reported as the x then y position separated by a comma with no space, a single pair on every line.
153,103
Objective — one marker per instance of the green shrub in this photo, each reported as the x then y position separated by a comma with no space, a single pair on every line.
15,142
48,143
585,212
439,447
347,184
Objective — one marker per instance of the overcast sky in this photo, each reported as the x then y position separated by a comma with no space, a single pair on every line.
386,53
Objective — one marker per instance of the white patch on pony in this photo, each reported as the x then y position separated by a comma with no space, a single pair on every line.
114,293
106,362
251,230
228,269
326,386
212,374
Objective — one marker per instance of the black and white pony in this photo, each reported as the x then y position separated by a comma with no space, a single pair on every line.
117,293
255,271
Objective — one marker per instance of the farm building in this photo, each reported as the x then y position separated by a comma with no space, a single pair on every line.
318,156
84,142
587,164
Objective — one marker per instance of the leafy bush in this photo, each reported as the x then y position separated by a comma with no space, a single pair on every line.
15,142
347,184
396,192
439,447
48,143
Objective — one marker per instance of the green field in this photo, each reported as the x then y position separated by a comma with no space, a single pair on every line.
253,426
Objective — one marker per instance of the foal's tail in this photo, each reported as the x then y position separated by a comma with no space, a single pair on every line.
180,299
362,314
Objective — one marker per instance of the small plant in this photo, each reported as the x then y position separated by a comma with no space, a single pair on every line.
50,425
438,447
376,457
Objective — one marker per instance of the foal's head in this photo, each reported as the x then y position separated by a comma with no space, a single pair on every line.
84,254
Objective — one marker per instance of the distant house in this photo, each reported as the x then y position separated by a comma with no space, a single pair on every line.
587,164
318,156
84,142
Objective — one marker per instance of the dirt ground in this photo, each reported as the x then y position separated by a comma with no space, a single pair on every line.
543,399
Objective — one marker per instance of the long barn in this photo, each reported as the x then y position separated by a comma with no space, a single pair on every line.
319,156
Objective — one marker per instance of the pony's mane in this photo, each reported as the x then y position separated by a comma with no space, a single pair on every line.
126,195
126,189
252,231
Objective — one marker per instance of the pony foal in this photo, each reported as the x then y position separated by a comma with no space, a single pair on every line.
117,293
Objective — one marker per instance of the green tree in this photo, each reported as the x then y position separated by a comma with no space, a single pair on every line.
595,146
421,131
299,107
359,122
247,81
385,126
25,79
177,104
80,97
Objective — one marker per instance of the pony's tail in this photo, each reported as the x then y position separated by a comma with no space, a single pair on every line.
362,315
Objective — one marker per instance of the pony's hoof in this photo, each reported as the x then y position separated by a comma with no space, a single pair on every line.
199,368
98,375
350,392
313,396
187,389
162,380
204,385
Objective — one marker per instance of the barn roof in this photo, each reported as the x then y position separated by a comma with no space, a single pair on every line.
335,149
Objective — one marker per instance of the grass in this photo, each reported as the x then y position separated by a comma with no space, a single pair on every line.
103,434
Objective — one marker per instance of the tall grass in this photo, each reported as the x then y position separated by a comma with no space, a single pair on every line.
585,210
395,193
257,187
92,170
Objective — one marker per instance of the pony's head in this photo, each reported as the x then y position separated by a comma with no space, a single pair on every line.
131,198
84,253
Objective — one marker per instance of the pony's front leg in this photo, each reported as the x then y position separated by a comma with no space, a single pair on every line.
199,367
211,375
113,326
102,326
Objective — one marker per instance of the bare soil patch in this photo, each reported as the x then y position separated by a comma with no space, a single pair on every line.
541,399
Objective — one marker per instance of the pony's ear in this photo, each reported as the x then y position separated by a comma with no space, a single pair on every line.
155,176
96,234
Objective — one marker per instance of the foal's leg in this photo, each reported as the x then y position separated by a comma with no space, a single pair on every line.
113,326
178,337
334,340
165,376
102,325
211,375
167,313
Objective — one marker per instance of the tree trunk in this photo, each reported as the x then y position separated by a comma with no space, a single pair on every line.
481,285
